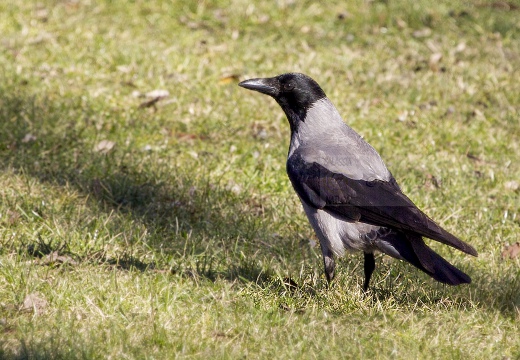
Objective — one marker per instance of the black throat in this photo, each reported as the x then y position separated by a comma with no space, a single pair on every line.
297,95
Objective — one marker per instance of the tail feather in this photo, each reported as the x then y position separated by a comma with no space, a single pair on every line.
417,253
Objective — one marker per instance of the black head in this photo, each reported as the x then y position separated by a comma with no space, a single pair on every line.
294,92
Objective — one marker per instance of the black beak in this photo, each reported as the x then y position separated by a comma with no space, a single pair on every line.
268,86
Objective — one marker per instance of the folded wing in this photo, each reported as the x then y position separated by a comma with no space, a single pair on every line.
375,202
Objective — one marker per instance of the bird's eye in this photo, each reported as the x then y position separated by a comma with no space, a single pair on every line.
288,86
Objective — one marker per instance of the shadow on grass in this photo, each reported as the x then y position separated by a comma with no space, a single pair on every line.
184,214
501,294
50,349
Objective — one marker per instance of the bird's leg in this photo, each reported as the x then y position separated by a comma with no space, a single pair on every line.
369,266
328,262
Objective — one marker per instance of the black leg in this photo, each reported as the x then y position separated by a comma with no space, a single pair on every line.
370,265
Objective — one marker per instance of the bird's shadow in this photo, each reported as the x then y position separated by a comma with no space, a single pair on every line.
402,285
179,211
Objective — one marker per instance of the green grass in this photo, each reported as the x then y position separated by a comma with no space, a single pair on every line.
184,239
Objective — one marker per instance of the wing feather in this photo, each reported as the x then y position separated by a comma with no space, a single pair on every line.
375,202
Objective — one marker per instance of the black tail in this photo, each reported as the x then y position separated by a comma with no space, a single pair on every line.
416,252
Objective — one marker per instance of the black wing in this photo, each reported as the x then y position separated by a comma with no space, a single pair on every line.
374,202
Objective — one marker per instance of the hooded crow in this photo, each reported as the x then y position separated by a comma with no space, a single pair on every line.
350,198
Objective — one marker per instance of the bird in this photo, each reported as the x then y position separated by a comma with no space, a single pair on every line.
351,199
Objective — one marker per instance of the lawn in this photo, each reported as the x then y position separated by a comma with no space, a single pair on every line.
145,211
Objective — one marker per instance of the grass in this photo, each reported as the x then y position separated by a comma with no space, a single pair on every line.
185,239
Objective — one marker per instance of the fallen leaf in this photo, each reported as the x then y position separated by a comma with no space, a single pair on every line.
434,61
511,251
42,14
157,93
228,79
28,138
263,19
190,24
433,46
478,114
460,47
512,185
402,116
55,258
432,182
401,24
154,95
422,33
104,146
34,302
305,29
188,136
124,68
